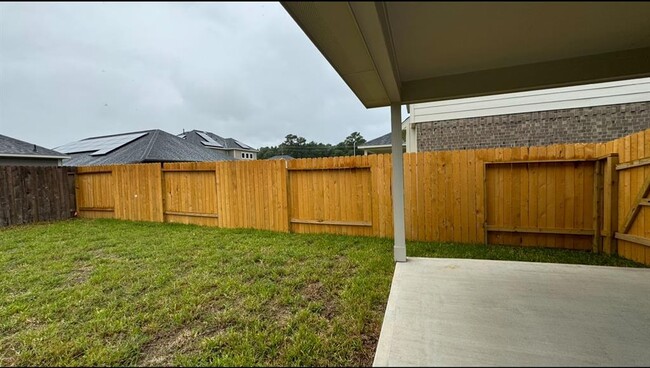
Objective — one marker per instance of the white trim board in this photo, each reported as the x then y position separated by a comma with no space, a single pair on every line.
611,93
379,146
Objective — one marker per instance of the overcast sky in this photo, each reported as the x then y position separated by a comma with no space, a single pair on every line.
70,71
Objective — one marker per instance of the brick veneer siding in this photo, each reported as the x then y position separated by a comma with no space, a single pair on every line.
541,128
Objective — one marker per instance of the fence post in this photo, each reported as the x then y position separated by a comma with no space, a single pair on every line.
162,192
287,191
485,204
71,191
610,213
597,244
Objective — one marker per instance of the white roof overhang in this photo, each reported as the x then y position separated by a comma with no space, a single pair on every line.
410,52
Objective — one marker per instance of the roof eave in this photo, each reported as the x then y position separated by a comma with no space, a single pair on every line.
356,39
17,155
378,146
352,37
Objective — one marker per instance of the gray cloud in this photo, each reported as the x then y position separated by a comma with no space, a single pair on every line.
70,71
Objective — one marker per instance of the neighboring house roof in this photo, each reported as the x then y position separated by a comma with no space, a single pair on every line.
383,141
211,140
136,147
12,147
281,157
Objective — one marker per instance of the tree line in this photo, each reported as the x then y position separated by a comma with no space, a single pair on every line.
298,147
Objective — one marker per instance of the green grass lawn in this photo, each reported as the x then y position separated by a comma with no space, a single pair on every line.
107,292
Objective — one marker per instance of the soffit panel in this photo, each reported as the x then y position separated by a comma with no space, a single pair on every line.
438,39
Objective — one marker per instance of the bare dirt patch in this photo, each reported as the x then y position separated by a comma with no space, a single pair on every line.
316,292
279,314
80,274
161,351
367,354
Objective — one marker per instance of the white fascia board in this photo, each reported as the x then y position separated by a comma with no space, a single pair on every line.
620,92
406,123
233,149
33,156
379,146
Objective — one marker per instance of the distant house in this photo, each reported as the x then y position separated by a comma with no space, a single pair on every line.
136,147
20,153
379,145
579,114
281,157
228,146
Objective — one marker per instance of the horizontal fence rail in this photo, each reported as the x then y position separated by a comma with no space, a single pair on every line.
574,196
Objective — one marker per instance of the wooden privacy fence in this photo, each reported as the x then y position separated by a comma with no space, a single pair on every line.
566,196
538,196
342,195
35,193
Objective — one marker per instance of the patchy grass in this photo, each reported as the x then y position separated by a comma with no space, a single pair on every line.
107,292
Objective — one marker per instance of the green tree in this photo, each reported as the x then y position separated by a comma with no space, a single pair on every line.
349,145
298,147
355,139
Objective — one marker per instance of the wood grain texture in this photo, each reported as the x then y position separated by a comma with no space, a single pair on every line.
30,194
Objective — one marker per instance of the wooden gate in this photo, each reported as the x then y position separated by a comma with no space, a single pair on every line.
94,191
190,193
331,199
634,199
552,203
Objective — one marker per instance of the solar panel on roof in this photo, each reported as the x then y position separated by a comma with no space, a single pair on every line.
99,146
208,140
242,145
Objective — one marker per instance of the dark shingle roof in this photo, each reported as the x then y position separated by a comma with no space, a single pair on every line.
155,146
15,147
226,143
384,140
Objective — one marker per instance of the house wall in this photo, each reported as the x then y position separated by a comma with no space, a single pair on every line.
238,155
599,94
575,125
19,161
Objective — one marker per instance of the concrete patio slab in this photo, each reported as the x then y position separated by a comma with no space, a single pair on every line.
463,312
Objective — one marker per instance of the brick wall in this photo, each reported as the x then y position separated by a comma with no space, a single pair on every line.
578,125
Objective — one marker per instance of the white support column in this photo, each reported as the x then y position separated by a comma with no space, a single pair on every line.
399,249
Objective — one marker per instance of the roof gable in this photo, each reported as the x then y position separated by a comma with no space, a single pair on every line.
384,140
209,139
